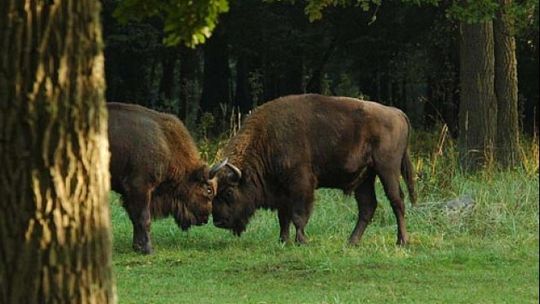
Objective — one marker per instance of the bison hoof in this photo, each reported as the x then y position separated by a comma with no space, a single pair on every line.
353,242
402,242
144,249
301,240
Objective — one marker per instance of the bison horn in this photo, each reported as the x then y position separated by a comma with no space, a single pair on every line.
215,168
236,171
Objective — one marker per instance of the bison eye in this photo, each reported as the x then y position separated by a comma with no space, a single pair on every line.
209,191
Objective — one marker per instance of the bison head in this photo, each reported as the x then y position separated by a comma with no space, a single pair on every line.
233,204
198,192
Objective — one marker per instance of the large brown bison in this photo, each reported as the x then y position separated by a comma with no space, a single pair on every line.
156,168
290,146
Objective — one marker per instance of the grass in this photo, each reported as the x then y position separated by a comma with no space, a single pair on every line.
484,254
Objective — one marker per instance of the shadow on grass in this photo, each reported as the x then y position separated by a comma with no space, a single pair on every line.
180,241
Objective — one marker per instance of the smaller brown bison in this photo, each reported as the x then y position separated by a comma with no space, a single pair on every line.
156,168
290,146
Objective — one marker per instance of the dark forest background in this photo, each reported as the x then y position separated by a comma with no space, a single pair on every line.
397,54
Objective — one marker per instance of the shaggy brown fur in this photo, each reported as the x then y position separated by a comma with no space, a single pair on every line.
156,168
290,146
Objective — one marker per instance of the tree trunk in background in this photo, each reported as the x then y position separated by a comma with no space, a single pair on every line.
188,82
129,75
291,81
314,85
506,87
55,241
435,98
478,104
168,64
242,97
216,85
452,107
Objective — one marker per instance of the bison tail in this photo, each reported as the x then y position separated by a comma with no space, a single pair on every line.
407,171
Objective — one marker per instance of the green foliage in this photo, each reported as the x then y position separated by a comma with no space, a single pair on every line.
422,2
524,13
314,8
189,22
470,11
207,122
473,11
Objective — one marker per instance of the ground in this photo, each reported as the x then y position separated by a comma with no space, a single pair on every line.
485,254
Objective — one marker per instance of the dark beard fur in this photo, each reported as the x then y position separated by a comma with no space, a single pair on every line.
183,218
184,226
238,228
241,223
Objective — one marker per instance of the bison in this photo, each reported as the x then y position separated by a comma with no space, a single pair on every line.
155,166
290,146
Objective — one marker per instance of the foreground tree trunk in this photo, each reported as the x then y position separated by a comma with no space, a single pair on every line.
478,105
55,242
506,87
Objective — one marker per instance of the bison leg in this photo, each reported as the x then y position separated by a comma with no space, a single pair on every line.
138,207
390,181
284,223
300,200
367,203
300,216
300,221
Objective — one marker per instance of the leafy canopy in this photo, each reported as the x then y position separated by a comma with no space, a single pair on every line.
470,11
185,21
192,21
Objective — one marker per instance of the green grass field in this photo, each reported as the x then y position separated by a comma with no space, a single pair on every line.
485,254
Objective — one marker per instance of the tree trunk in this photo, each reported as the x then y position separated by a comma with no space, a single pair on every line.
216,86
478,105
291,81
314,85
506,87
189,84
55,241
242,98
168,66
131,58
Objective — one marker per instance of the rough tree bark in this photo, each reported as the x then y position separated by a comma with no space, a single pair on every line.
55,242
478,104
506,87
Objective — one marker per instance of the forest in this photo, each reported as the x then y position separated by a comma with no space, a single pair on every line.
399,54
465,73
